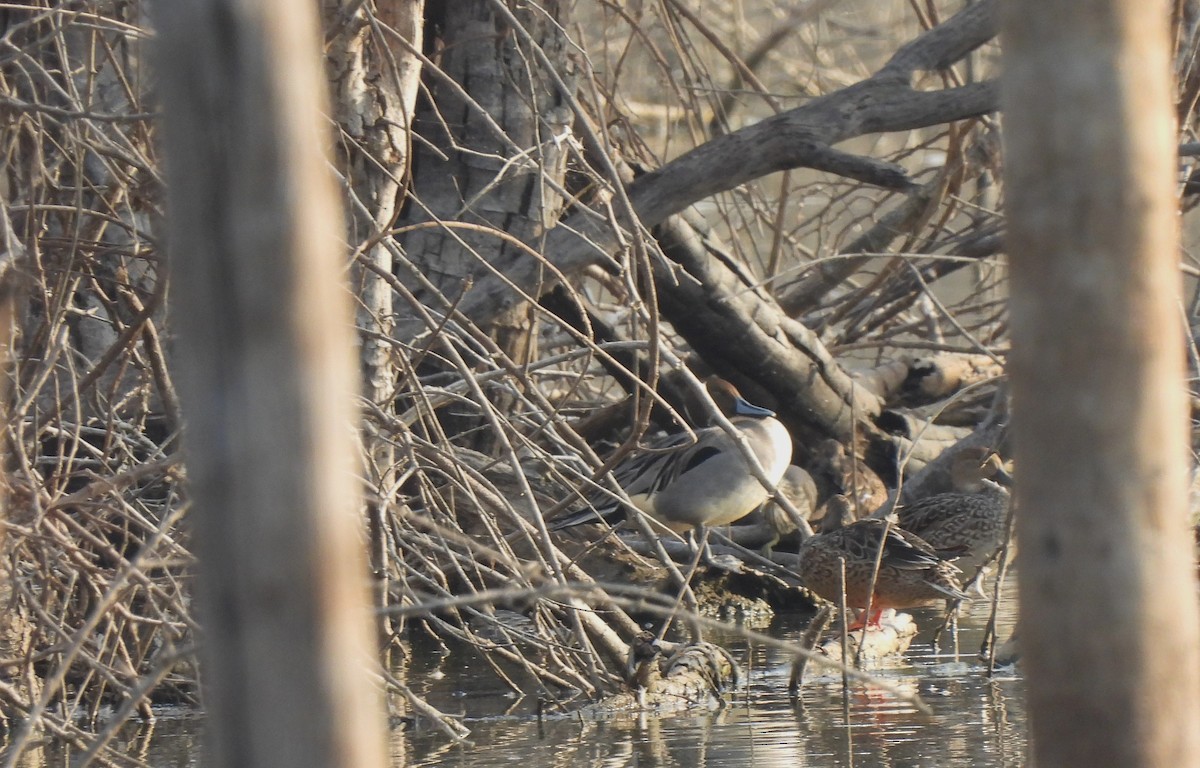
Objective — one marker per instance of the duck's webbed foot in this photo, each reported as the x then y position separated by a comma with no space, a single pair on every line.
862,620
729,563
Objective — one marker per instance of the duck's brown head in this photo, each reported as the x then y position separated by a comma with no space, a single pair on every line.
730,400
976,463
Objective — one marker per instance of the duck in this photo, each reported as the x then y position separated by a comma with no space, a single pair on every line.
838,472
972,519
688,485
911,572
799,488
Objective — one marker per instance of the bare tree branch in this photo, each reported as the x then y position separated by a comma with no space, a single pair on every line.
796,138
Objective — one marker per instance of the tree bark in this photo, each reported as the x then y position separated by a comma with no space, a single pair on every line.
490,168
1109,624
801,137
374,69
491,153
265,340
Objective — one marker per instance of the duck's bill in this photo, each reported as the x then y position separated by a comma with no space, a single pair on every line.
1004,478
742,407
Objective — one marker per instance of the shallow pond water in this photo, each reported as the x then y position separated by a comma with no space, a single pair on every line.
975,719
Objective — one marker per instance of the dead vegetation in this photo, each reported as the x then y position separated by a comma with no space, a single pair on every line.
877,279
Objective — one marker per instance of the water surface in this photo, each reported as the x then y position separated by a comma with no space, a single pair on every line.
975,720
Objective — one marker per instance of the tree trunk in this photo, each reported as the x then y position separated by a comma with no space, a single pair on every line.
491,162
1109,623
265,344
13,629
801,137
374,77
491,159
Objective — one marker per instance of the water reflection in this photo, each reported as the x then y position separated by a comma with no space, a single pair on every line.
171,742
974,720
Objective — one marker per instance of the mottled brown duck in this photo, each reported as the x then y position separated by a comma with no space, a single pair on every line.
911,572
798,488
971,520
838,472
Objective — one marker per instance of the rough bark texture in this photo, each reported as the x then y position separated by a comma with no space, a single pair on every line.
1109,626
491,162
374,78
491,166
374,70
801,137
265,337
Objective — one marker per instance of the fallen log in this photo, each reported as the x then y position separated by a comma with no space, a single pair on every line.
889,640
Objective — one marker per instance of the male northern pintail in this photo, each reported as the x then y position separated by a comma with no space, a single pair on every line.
911,572
971,520
688,484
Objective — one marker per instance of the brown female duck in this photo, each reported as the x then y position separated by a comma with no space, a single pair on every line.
911,572
971,520
837,471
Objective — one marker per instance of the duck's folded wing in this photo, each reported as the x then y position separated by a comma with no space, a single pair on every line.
643,476
654,472
900,549
923,514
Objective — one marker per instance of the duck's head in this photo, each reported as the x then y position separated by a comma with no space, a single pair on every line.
831,452
977,463
838,513
999,472
731,402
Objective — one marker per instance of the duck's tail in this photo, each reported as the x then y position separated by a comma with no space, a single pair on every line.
584,516
945,580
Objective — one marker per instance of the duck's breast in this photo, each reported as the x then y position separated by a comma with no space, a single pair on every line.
720,488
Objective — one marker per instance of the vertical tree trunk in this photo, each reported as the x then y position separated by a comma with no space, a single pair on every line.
492,158
491,162
1109,618
375,78
11,253
266,370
